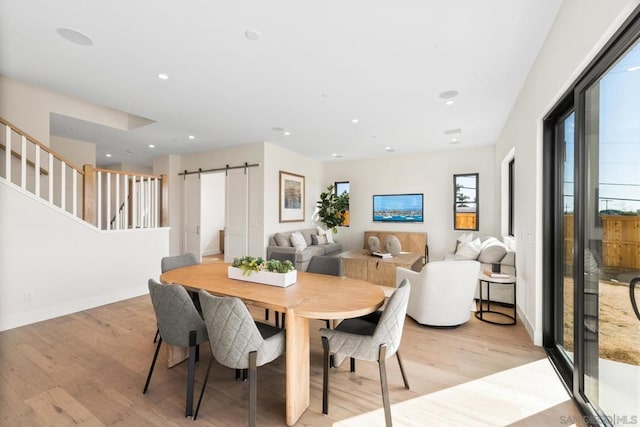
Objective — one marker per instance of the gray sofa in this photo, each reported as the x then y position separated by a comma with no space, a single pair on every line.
285,249
503,294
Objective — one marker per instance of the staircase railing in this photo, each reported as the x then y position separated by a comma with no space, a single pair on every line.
87,193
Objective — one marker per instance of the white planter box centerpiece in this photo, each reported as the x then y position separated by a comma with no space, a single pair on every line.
264,277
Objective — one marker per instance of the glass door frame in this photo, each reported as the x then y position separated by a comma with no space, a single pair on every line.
572,374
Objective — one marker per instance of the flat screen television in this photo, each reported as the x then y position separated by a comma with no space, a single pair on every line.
398,207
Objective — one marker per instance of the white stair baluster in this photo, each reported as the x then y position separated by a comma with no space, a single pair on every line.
117,214
74,191
7,158
125,217
134,203
63,185
23,164
108,200
50,178
99,223
37,170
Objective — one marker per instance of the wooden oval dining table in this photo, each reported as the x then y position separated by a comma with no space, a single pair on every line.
313,296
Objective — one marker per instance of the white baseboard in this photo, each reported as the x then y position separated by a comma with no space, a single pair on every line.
69,307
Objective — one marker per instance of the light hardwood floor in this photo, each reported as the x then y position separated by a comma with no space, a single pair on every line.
89,368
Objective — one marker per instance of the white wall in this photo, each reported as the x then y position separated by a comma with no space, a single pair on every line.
212,218
171,166
581,28
28,107
279,159
64,265
79,153
429,173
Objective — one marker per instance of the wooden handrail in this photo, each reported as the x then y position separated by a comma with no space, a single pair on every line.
41,145
19,157
88,176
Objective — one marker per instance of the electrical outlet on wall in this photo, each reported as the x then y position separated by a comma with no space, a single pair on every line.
28,296
530,237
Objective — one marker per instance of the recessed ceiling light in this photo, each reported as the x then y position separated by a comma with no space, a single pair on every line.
354,120
192,137
448,94
389,149
152,146
454,141
336,155
634,68
163,76
252,35
287,133
108,155
450,102
74,36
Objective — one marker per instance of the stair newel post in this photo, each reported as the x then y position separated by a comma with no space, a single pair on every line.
89,194
164,201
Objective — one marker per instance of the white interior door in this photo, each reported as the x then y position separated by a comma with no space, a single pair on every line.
192,216
236,214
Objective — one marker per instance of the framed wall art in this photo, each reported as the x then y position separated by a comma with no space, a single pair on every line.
292,193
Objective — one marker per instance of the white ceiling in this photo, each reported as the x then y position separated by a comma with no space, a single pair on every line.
317,65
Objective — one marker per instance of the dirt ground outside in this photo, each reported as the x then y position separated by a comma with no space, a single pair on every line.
618,327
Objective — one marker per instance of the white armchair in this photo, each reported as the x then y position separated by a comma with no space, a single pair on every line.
442,293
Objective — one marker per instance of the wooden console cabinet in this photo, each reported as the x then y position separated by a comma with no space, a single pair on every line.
380,271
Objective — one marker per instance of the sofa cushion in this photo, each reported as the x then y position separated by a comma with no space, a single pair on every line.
328,233
282,239
469,250
463,238
309,252
318,240
331,248
492,251
298,241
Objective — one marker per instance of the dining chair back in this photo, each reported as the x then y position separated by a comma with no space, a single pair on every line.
172,262
179,324
363,339
238,342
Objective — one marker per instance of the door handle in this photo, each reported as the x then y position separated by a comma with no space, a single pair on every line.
632,296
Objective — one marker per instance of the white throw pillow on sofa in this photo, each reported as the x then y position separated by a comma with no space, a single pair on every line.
327,233
492,251
469,250
463,238
298,242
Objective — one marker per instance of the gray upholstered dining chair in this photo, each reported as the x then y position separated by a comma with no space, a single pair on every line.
238,342
171,262
180,325
373,338
329,265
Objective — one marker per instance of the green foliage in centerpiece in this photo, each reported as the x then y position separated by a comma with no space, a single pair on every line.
249,264
279,266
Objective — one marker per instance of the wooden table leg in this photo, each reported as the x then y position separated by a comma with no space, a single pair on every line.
176,355
297,366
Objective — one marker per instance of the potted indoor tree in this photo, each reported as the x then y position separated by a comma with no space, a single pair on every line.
332,208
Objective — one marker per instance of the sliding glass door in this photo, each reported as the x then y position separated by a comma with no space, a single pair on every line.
592,234
611,236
